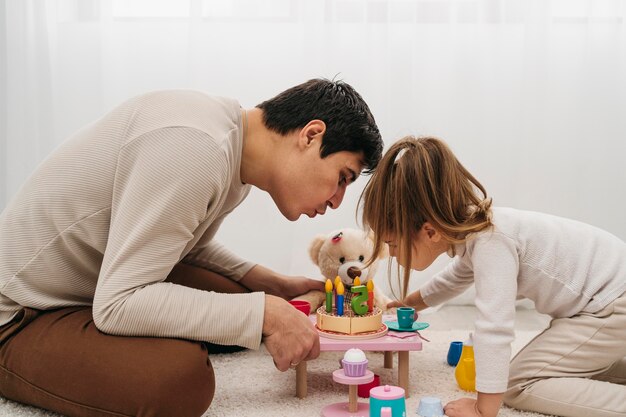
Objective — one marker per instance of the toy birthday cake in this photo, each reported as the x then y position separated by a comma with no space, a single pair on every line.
349,322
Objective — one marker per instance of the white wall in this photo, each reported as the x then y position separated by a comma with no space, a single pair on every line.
531,94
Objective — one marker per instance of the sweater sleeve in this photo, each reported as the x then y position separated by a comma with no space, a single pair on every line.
217,258
496,265
455,278
158,201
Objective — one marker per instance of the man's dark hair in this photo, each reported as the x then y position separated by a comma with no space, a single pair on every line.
350,125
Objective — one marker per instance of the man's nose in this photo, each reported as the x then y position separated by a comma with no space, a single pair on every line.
335,200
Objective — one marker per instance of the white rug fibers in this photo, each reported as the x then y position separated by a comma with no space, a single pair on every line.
249,385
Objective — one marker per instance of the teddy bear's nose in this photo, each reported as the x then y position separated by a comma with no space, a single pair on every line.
354,272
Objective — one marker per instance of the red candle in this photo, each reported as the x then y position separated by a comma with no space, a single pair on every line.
370,296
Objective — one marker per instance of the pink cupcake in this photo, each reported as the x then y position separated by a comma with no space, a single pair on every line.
354,363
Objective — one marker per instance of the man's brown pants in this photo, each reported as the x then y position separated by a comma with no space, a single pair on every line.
59,361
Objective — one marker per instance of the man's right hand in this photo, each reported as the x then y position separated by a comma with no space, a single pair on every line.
289,335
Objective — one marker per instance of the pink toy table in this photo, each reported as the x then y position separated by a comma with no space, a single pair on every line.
403,344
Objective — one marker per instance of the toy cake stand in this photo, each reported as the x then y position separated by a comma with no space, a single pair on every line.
352,408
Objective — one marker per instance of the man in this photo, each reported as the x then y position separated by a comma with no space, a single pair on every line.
111,285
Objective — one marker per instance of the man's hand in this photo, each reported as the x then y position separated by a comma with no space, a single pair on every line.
464,407
295,286
260,278
288,334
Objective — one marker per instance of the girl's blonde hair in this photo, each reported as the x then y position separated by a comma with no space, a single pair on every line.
420,180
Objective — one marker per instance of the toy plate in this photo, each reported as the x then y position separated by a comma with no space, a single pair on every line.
393,325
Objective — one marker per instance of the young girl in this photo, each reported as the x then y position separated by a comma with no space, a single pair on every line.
423,203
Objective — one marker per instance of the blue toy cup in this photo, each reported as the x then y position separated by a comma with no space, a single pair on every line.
406,317
430,407
454,352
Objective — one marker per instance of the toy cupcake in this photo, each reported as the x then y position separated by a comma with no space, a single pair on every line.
354,363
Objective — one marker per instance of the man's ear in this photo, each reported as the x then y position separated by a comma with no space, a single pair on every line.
432,233
314,129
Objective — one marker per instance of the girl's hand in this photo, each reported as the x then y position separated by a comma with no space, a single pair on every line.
396,303
412,300
486,405
464,407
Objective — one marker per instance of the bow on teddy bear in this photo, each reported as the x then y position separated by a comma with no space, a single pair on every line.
344,253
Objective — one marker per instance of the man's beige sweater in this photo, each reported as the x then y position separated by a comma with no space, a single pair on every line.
105,218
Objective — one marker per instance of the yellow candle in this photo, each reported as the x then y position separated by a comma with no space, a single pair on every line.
329,295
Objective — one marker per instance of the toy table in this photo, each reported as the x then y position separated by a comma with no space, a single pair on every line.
388,344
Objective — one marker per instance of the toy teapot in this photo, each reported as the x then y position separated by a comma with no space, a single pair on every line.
387,401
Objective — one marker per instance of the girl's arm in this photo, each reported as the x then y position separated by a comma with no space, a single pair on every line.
450,282
414,300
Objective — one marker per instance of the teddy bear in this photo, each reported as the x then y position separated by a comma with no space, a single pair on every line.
344,253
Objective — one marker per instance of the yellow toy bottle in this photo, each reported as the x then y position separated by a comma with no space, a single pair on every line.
465,372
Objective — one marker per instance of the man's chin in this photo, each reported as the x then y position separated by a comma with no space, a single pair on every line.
292,217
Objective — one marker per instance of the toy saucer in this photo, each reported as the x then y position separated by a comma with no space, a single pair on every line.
393,325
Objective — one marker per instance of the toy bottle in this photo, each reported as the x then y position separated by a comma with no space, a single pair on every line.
465,372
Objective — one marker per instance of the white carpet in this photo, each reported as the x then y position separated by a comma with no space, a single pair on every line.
249,385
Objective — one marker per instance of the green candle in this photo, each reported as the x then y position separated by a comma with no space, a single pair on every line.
359,301
329,296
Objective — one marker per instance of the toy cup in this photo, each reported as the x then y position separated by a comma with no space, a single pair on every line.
430,407
454,352
406,317
302,305
364,389
354,369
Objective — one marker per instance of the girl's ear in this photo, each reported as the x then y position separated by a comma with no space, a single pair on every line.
432,233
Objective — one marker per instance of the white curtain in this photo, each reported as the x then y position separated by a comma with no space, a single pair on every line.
531,94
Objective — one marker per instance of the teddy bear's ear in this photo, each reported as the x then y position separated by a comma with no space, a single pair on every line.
315,247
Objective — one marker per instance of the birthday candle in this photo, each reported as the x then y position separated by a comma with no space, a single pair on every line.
359,299
337,281
340,290
370,296
329,296
357,281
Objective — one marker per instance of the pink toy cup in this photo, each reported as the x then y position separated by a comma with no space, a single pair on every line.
302,305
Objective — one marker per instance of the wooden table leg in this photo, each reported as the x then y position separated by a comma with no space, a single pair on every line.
352,397
388,359
301,386
403,372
